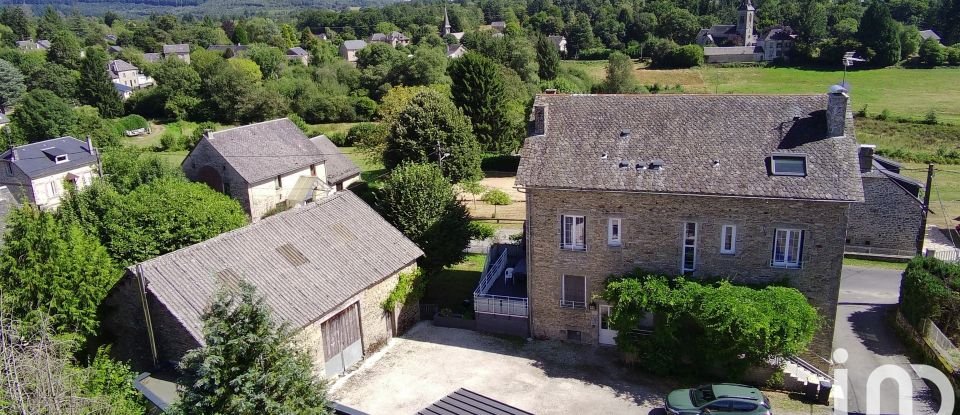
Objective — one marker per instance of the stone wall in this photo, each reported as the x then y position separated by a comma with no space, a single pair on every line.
888,219
204,155
652,228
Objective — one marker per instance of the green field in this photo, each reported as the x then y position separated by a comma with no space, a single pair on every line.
945,197
904,92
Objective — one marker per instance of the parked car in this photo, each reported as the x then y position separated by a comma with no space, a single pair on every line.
719,399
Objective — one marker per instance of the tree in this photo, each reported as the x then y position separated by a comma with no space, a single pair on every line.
428,66
230,91
65,50
813,22
96,88
880,34
478,90
16,19
248,364
430,121
579,34
620,79
56,78
268,58
422,204
548,59
41,115
90,124
678,25
497,197
47,269
50,23
11,85
909,41
109,17
932,53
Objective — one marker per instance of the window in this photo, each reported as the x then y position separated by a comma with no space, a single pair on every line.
574,291
728,239
613,231
574,335
54,189
573,230
740,406
787,248
61,159
788,165
689,246
279,182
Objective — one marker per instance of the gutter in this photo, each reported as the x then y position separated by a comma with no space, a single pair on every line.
523,189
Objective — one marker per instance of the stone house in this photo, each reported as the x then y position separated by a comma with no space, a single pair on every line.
349,48
30,45
887,223
268,166
740,42
324,269
37,172
393,39
456,50
751,188
180,51
123,73
298,55
929,34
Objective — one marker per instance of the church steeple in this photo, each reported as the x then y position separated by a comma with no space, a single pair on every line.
446,23
745,23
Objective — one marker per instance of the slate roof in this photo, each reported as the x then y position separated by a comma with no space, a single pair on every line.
354,44
297,51
223,48
176,49
43,43
731,50
378,37
264,150
780,33
337,166
688,133
152,57
928,34
119,65
121,88
305,262
35,159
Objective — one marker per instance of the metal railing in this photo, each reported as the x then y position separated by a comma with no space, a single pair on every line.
952,255
872,250
501,305
942,343
786,265
572,304
491,274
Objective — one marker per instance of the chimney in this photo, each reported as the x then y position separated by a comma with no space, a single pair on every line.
89,145
539,119
866,157
837,111
13,153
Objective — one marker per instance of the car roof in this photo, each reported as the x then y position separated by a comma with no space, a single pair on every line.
733,390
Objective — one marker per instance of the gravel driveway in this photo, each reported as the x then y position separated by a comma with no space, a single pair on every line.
543,377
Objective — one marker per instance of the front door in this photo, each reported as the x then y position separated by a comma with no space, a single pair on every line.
607,335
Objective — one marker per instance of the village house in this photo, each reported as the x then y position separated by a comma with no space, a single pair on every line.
560,42
929,34
37,172
889,221
298,55
393,39
123,73
30,45
447,30
324,269
455,50
180,51
740,43
269,166
752,188
349,48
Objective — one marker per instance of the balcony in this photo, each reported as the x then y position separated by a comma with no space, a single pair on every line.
502,289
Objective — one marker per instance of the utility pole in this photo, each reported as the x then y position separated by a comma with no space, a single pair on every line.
926,209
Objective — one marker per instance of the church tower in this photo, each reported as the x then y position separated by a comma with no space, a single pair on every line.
745,23
446,23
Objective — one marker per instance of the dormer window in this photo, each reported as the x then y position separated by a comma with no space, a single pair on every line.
788,165
56,155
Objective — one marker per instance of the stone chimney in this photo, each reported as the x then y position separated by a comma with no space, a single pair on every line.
866,157
539,119
89,145
838,113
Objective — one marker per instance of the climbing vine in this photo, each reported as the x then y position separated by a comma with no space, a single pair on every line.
718,325
410,287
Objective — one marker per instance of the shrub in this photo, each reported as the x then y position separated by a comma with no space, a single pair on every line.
480,230
496,197
132,122
338,138
732,327
366,132
680,57
883,115
190,142
171,140
410,288
930,118
929,291
594,54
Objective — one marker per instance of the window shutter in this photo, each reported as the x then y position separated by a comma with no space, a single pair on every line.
573,289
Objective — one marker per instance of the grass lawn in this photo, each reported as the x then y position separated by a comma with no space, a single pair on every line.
866,263
330,128
452,286
371,171
946,190
174,158
904,92
908,141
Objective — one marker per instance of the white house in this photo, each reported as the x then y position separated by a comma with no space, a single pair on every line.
36,172
124,73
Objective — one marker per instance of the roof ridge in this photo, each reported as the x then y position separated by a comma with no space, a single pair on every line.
248,125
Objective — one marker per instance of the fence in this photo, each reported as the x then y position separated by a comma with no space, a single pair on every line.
943,345
952,255
501,305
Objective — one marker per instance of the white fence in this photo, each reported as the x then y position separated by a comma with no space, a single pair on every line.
942,343
945,255
491,274
501,305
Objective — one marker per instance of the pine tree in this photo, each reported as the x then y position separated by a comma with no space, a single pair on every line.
880,34
96,89
49,24
11,85
248,364
478,90
548,58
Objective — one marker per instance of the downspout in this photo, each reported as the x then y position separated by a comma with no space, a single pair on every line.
146,314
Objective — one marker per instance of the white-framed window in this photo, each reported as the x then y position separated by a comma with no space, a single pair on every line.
689,260
61,159
728,239
614,230
53,189
573,291
787,248
573,231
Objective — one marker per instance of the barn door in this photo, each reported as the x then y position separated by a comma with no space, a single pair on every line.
341,340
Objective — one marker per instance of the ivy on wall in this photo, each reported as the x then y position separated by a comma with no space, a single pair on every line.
410,288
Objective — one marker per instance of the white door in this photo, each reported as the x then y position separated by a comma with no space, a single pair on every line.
607,335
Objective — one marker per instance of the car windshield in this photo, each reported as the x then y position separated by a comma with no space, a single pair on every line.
702,395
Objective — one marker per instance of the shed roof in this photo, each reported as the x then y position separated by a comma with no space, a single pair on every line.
264,150
929,34
38,159
337,166
305,262
708,145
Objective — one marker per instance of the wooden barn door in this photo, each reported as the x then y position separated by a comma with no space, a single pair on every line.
341,340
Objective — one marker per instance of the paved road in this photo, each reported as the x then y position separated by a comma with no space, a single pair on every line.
864,330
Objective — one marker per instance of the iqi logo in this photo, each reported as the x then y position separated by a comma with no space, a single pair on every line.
898,375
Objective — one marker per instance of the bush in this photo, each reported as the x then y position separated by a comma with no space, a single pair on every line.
190,142
953,55
733,327
366,132
132,122
681,57
496,197
594,54
929,291
930,118
338,138
172,141
481,231
883,115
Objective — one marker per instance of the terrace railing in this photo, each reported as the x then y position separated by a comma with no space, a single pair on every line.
491,273
501,305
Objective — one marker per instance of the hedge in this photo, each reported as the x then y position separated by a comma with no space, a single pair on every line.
929,290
